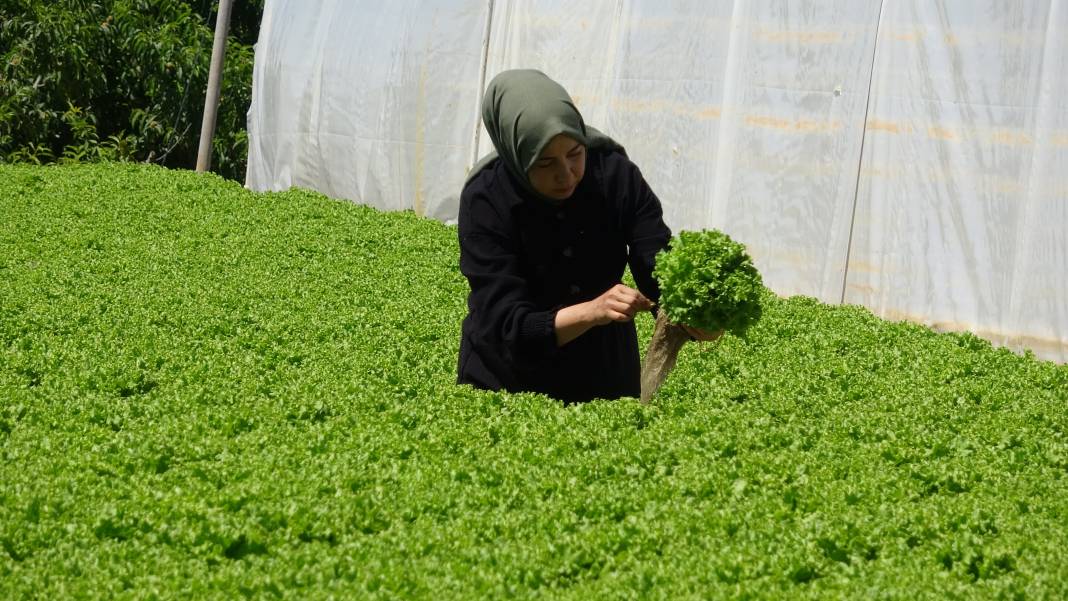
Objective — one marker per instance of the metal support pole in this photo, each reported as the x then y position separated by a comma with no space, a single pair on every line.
211,99
860,159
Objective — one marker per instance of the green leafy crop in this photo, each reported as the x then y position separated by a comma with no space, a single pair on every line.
208,393
708,281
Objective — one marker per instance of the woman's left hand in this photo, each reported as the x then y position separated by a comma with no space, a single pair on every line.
702,335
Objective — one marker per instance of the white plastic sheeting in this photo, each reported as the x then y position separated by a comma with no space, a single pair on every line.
907,155
367,100
962,211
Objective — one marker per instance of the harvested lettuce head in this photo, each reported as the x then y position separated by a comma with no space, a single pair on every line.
708,281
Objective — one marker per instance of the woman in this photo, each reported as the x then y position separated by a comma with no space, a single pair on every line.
547,225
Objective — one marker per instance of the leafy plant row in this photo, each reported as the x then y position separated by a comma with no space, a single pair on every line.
210,393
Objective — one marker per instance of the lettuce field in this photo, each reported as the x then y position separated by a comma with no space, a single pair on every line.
211,393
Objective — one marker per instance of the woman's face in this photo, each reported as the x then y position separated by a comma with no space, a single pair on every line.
559,168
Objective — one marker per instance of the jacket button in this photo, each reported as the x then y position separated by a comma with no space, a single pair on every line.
560,215
568,252
574,289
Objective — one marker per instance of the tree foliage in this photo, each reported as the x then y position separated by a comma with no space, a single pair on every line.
119,80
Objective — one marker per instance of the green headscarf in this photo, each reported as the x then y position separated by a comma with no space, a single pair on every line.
523,110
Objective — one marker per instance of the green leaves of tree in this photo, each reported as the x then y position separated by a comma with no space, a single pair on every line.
117,80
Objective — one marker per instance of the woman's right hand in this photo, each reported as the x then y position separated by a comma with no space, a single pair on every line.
618,303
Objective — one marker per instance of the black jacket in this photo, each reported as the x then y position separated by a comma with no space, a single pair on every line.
525,258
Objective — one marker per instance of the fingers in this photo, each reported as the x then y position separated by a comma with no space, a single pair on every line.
621,312
617,310
631,296
624,302
619,303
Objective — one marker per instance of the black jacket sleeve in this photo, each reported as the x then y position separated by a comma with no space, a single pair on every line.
643,227
501,310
